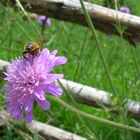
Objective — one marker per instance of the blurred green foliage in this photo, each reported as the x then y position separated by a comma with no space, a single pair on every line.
84,66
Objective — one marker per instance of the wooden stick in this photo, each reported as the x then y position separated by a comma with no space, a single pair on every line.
52,132
45,130
104,19
92,96
98,98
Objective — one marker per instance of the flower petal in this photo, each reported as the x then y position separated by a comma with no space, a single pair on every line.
15,112
9,108
39,94
29,117
43,104
28,104
53,89
54,52
19,116
48,22
60,60
44,54
52,78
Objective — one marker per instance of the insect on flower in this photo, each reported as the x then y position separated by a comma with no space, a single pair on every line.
30,80
31,47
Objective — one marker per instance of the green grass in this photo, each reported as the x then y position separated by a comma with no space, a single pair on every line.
84,66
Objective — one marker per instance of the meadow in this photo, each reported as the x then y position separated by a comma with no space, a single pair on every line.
84,66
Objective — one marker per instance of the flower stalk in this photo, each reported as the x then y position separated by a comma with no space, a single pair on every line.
95,118
98,46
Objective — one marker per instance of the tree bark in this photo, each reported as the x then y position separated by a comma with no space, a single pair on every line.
104,19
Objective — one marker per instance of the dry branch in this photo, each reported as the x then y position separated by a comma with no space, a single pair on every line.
92,96
104,19
98,98
46,131
52,133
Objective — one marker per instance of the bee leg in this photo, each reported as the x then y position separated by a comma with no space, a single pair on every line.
24,54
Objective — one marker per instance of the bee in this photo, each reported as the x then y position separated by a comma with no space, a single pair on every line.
32,48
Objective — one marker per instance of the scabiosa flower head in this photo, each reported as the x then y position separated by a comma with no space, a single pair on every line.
42,19
125,9
33,16
27,80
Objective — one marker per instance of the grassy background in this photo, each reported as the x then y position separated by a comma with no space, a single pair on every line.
84,66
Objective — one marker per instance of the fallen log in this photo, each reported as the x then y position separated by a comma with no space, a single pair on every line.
45,130
92,96
104,19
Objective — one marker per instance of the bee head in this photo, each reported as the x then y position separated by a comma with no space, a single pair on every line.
29,46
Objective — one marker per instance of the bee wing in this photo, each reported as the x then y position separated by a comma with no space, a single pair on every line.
42,41
19,41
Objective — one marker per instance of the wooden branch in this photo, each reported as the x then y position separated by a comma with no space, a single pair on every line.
98,98
52,132
45,130
92,96
104,19
3,65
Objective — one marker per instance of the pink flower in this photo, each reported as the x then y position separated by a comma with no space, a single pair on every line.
28,79
42,19
125,9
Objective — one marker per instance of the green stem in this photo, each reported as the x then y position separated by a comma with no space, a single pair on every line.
98,46
21,7
79,116
135,60
25,13
93,117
